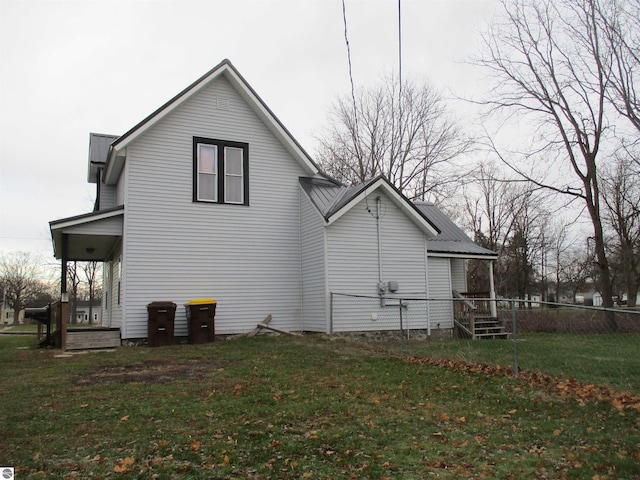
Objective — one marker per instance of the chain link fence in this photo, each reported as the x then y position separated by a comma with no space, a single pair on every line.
591,344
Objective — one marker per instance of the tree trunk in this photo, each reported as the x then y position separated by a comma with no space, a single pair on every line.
632,294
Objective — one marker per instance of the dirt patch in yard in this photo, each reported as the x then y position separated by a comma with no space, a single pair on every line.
152,372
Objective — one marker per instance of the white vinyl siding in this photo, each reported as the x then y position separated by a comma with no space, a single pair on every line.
112,278
352,246
312,246
107,196
459,274
248,258
440,306
106,226
121,187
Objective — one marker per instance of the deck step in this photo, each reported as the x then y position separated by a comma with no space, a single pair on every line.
492,336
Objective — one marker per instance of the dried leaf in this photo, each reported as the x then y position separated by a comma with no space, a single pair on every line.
124,466
125,418
195,446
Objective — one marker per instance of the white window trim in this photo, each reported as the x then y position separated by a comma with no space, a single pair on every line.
214,174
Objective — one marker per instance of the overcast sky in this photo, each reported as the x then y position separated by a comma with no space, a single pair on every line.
68,68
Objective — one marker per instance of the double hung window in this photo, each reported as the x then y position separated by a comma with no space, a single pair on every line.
221,171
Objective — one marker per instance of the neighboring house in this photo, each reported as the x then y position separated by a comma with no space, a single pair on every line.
82,312
6,314
211,196
590,297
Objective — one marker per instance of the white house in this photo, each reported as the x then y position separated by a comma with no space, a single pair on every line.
211,197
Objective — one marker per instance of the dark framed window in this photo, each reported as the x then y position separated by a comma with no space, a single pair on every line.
220,171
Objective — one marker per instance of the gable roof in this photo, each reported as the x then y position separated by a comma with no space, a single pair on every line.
444,238
332,199
117,151
451,241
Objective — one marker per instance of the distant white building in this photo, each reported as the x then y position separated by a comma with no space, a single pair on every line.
82,312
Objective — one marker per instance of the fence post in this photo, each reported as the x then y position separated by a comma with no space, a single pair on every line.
515,338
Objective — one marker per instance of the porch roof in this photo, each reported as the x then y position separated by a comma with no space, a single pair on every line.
91,236
452,241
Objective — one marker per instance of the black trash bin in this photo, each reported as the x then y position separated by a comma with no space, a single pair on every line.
160,326
200,320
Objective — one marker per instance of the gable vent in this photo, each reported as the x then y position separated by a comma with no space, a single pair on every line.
223,104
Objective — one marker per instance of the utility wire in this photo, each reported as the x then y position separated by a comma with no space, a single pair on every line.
400,85
353,92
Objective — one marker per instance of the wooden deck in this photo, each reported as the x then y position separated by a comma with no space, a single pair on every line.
89,338
58,335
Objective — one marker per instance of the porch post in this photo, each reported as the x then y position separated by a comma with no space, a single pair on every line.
492,291
63,274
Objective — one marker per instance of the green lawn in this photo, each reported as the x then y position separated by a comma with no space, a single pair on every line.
609,360
284,407
30,328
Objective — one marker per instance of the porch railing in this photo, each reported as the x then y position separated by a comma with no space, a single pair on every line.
58,324
464,315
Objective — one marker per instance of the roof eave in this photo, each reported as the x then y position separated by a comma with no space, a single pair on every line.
469,256
396,197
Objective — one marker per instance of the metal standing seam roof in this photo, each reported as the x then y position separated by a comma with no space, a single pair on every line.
451,238
329,196
99,144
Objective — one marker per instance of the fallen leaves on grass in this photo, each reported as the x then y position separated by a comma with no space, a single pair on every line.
563,387
124,466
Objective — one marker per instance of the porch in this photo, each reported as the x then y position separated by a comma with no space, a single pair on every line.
91,237
53,331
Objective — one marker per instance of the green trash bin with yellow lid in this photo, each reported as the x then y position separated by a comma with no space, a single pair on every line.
201,313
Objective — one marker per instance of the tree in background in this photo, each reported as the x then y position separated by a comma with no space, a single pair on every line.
619,24
91,271
405,135
621,194
21,282
73,284
506,216
551,64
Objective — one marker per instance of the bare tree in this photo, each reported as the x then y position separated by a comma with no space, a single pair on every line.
405,135
506,216
574,268
91,270
621,194
619,24
73,279
549,65
21,282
